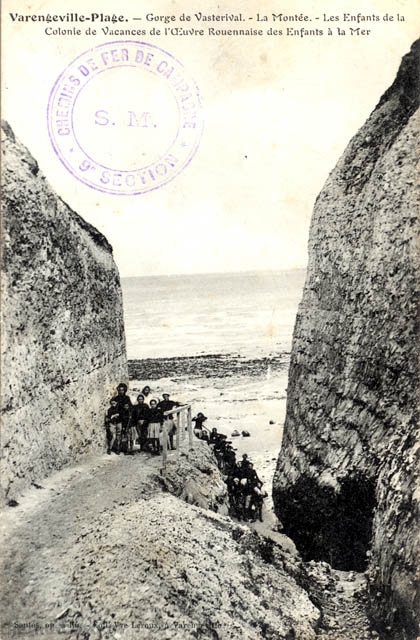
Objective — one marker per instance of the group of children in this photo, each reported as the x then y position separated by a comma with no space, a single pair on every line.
141,423
246,495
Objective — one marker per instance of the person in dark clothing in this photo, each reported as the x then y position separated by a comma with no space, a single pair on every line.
243,466
122,398
230,459
199,420
219,449
199,430
127,441
245,501
113,427
167,405
246,495
253,483
140,419
154,426
213,436
252,476
234,493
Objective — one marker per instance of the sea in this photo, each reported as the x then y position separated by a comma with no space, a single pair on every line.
250,314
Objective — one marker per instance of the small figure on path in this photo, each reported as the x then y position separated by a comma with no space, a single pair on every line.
229,459
257,501
199,430
252,475
242,467
127,429
147,394
113,427
234,493
154,426
252,483
140,418
214,436
167,405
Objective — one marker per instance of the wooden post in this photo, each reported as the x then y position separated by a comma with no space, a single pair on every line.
189,424
178,429
164,445
183,422
182,425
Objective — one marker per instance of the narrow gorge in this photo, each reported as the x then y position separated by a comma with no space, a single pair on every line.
105,547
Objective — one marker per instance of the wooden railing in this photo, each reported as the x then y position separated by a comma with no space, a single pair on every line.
183,419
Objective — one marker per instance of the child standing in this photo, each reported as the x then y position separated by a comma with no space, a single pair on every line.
113,427
140,417
199,430
126,428
155,424
167,405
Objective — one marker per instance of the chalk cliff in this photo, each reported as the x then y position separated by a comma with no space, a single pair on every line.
63,343
347,481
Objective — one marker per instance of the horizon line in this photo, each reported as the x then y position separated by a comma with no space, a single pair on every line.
211,273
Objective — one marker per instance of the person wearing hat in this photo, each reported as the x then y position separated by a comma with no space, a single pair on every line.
122,397
166,405
199,431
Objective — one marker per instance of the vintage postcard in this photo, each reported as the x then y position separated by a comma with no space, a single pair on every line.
161,163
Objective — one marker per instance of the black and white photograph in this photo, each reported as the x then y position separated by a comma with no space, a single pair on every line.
210,320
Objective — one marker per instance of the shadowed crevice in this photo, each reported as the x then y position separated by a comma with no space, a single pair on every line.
326,525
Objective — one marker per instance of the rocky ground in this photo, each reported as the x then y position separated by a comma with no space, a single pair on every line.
112,549
220,365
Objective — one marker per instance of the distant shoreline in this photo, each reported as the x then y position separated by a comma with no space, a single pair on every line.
247,272
219,365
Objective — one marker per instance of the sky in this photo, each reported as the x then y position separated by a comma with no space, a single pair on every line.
278,112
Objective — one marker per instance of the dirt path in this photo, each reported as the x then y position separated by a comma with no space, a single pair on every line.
49,523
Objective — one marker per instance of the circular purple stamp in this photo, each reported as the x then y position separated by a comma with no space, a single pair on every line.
125,117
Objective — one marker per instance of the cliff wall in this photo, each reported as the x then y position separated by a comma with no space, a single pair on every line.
63,343
346,486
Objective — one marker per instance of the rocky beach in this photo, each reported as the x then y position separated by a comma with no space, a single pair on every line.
235,394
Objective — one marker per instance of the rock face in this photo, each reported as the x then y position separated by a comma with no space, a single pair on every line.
63,343
346,486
